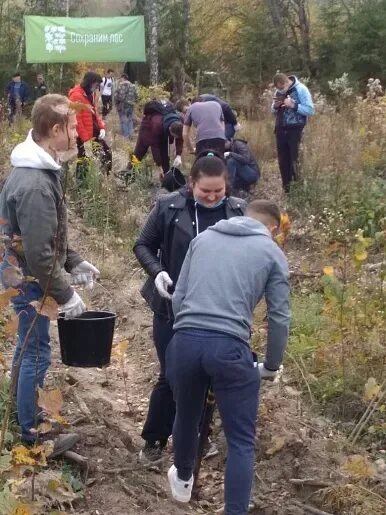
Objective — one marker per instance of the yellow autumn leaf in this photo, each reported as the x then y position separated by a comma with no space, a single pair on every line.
44,427
22,509
39,455
51,401
329,271
371,389
120,349
48,308
6,296
21,456
361,255
280,239
285,223
277,444
359,466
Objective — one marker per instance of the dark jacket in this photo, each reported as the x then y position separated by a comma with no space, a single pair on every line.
164,242
40,90
23,91
296,118
242,153
154,133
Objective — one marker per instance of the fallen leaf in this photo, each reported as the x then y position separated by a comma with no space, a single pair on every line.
6,296
44,427
21,456
11,325
277,444
39,455
51,401
371,389
5,463
329,271
48,308
3,363
22,509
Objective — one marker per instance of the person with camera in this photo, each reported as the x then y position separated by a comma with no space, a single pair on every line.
161,247
292,105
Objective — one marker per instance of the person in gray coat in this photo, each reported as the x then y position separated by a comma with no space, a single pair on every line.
227,271
36,256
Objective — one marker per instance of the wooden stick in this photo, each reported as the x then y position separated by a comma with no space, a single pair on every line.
310,482
116,471
82,405
123,435
80,460
125,488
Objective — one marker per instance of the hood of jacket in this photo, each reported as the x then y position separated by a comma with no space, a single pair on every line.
31,155
241,226
295,81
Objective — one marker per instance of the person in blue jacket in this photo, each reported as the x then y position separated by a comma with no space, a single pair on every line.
292,105
17,93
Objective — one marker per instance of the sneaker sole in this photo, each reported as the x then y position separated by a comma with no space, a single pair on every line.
177,497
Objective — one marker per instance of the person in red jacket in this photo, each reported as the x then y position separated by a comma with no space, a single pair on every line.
89,124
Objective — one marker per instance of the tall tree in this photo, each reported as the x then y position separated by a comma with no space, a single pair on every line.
152,11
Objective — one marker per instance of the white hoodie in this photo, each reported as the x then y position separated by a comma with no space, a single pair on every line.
31,155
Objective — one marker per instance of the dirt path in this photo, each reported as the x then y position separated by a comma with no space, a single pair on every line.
291,443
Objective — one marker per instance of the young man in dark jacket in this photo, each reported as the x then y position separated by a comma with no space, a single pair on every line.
161,126
17,93
40,89
292,105
34,227
213,305
242,165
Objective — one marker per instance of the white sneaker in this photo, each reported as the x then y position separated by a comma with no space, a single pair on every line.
181,490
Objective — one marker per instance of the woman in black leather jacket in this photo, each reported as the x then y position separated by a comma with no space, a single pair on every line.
161,248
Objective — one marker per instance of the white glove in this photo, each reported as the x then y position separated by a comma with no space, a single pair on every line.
178,161
270,375
74,307
84,274
102,134
162,281
237,127
227,154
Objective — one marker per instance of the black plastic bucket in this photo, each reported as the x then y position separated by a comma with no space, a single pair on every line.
86,341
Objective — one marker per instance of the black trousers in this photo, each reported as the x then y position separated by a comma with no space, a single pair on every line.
288,142
162,408
217,144
107,102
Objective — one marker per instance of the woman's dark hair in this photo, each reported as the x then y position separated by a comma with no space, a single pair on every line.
89,79
210,164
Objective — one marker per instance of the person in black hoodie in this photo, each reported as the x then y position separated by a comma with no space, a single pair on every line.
242,166
161,248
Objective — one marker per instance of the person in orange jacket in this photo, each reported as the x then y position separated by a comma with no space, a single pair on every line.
89,124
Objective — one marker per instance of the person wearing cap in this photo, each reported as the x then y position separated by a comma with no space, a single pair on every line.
161,248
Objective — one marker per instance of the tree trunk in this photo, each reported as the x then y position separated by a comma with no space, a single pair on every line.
152,9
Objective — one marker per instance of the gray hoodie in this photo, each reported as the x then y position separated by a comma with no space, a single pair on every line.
31,206
226,272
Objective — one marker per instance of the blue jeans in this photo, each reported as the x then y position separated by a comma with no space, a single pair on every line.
242,176
195,359
126,119
36,358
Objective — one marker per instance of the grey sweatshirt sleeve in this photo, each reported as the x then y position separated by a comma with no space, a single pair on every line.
277,298
38,222
182,283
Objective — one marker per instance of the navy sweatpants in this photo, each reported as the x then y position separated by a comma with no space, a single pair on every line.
194,359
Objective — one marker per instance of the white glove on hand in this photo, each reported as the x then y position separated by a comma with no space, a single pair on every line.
178,161
227,154
237,127
84,274
102,134
270,375
74,307
162,281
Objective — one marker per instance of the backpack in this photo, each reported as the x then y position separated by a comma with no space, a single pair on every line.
165,108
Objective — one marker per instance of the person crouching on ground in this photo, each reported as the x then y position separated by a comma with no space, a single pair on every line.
227,271
34,222
161,248
242,166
